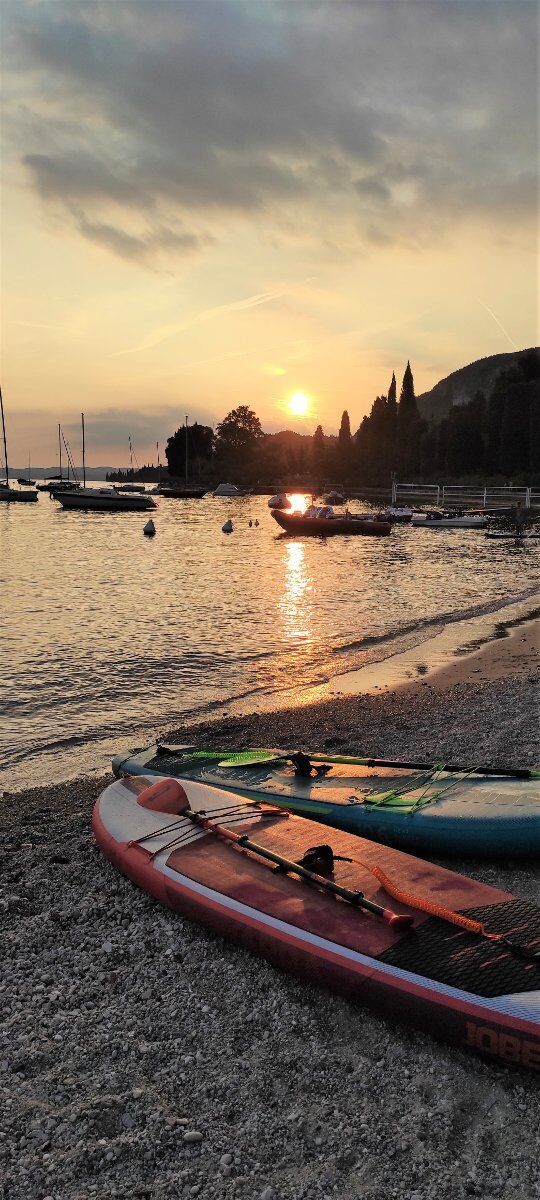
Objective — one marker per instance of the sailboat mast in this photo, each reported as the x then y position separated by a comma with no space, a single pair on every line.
83,452
186,450
60,451
130,454
4,433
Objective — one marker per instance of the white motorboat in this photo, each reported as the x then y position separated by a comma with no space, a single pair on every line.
446,519
7,492
398,514
227,489
280,500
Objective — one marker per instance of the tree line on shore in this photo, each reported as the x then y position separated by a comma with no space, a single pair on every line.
493,435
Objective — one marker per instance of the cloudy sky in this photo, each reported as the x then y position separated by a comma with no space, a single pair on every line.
207,204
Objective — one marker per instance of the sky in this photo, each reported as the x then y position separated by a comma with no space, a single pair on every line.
212,204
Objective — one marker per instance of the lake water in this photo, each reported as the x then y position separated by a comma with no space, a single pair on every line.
108,636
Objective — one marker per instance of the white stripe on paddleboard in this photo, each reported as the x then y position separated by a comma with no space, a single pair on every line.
500,1004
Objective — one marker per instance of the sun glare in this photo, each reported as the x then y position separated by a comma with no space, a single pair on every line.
298,502
299,404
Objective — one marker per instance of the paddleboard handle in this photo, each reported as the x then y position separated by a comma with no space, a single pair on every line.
288,867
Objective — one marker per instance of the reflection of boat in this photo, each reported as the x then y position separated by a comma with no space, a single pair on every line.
280,500
322,522
441,519
341,915
454,810
7,493
507,536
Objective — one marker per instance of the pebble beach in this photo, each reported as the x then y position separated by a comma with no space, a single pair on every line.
143,1057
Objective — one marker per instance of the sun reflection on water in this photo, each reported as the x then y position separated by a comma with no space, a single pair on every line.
294,603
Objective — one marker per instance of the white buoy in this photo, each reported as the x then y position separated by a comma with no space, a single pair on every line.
149,528
227,527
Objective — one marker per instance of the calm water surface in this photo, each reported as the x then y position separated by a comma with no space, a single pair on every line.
108,636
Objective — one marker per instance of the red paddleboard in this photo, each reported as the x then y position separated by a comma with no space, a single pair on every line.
215,857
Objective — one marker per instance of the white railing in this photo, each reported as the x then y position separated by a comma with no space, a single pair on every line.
463,495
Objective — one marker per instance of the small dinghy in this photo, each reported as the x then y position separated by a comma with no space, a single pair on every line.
323,522
398,515
280,500
475,811
457,958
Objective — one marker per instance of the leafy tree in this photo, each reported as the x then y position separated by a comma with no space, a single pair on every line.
238,438
239,431
200,441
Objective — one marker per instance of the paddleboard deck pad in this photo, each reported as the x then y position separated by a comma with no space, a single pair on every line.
172,840
423,808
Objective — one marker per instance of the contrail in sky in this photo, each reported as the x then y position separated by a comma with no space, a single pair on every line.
167,331
496,319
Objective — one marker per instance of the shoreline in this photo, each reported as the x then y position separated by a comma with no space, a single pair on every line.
486,702
127,1028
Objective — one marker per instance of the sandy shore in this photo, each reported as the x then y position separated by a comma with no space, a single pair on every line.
126,1028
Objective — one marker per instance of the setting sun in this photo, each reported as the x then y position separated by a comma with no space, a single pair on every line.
299,404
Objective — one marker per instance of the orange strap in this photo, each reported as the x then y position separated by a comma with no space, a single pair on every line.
428,906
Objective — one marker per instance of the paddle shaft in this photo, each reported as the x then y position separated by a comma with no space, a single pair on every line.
293,868
515,772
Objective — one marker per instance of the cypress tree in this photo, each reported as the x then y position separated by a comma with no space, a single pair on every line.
318,449
345,431
408,408
392,391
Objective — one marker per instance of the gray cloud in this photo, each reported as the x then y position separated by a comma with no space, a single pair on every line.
389,116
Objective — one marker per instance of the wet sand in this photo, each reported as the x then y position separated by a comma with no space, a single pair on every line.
126,1027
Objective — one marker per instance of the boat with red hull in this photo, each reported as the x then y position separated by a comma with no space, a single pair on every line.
330,525
453,956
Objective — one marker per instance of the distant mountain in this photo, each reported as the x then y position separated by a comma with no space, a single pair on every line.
46,472
460,387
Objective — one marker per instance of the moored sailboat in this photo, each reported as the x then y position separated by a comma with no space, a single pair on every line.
182,491
101,499
7,492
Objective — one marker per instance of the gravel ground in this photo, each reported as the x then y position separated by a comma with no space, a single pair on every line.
142,1057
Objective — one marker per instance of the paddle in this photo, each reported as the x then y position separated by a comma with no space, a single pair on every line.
253,758
261,757
357,899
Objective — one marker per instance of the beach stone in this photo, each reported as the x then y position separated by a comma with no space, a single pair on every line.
193,1135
